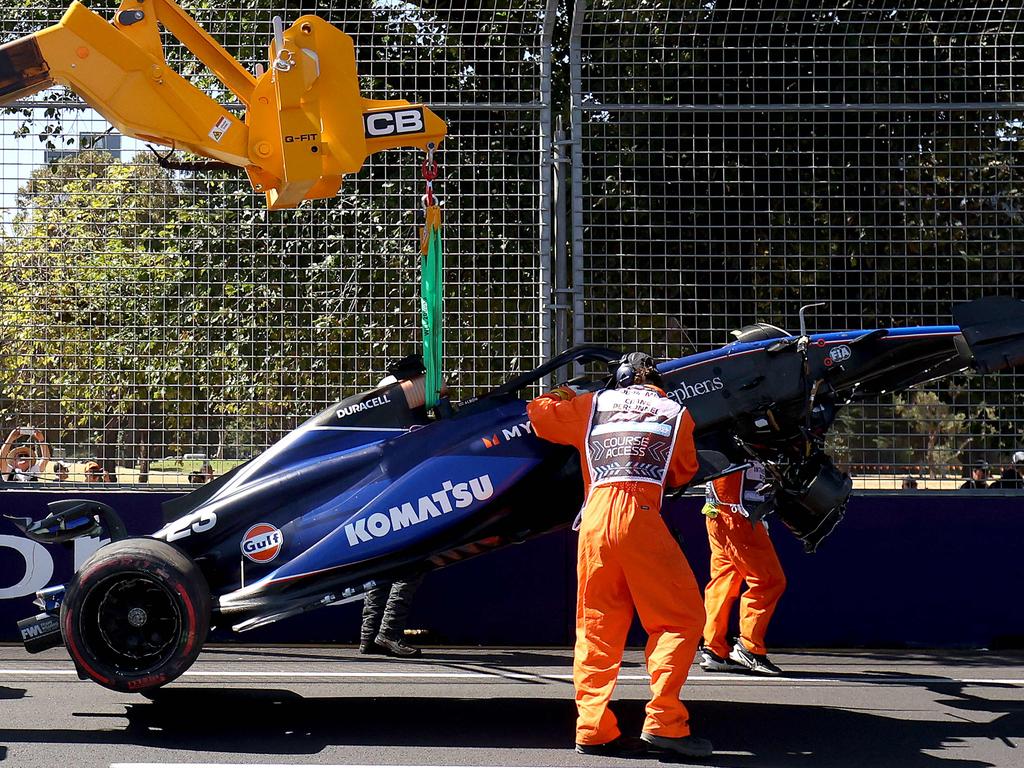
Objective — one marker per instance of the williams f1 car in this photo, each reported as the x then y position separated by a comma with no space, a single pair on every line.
376,487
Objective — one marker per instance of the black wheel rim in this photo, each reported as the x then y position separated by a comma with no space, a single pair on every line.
131,622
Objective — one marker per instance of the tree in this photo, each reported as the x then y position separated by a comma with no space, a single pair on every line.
775,154
232,323
85,310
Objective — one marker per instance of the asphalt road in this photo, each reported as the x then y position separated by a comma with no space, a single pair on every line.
510,708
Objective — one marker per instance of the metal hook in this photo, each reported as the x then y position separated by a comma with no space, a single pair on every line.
430,172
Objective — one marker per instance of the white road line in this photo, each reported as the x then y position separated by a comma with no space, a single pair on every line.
497,676
292,765
375,765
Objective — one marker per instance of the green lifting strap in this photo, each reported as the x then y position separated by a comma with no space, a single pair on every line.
432,304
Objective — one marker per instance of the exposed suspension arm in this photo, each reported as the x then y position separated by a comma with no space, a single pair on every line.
305,122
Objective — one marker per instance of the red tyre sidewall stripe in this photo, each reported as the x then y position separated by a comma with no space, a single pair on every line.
183,594
69,638
79,658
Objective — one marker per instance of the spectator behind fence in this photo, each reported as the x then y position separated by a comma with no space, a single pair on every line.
24,455
60,472
23,470
909,483
94,473
1009,478
202,475
979,476
1018,463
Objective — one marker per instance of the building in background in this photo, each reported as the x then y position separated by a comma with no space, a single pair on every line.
87,140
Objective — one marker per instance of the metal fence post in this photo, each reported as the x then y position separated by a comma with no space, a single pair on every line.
579,329
546,289
563,291
192,321
725,172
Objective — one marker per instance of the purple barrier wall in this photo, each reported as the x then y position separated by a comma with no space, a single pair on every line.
26,567
930,569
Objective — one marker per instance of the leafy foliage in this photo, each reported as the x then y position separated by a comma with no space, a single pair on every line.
745,158
741,159
150,314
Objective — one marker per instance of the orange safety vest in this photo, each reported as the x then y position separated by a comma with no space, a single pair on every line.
735,490
631,436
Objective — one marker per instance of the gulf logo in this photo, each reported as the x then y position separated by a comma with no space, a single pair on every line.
262,543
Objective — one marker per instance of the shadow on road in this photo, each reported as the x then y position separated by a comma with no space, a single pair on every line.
905,659
5,694
765,735
509,658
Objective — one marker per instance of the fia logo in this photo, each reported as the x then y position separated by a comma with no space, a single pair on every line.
840,353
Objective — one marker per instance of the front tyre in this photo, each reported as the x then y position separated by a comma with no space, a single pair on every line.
136,615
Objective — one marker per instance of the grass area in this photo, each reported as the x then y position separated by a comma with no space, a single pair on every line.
220,466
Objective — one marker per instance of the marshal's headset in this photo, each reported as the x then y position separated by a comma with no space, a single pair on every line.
633,364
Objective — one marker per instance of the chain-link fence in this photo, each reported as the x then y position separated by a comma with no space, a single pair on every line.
737,159
148,315
730,161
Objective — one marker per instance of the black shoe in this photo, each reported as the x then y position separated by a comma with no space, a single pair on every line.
396,648
712,662
370,648
688,746
623,746
757,663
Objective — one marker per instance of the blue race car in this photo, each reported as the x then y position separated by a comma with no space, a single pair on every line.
376,488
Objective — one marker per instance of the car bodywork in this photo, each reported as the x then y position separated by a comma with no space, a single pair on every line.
375,487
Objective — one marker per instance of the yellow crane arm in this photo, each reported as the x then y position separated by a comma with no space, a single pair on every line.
305,123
